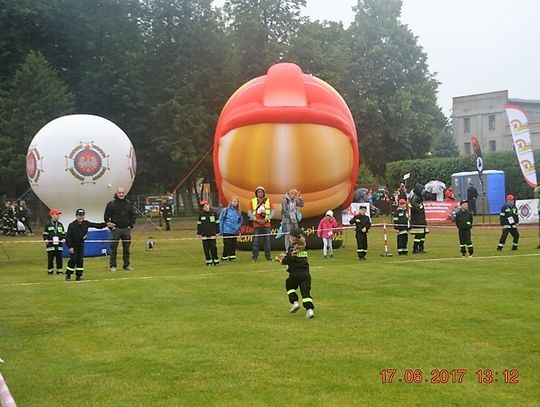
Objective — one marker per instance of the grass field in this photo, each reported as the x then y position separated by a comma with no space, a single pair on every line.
175,332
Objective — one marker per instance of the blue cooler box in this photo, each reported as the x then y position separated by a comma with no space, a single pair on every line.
94,249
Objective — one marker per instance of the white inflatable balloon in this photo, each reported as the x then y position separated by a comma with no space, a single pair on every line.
78,161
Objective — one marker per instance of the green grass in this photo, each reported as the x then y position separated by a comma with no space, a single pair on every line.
178,333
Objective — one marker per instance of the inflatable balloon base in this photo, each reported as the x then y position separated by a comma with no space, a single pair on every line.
308,226
93,247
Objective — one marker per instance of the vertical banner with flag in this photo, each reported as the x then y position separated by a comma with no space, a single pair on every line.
478,153
522,142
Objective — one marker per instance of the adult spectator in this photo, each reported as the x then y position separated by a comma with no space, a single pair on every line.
289,213
472,195
120,213
449,194
166,210
22,214
418,219
260,212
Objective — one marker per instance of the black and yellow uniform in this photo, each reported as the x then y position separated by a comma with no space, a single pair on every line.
166,214
418,220
401,224
54,235
75,237
361,221
299,276
208,228
464,223
509,220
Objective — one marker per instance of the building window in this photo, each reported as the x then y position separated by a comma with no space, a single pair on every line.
492,123
467,147
467,124
492,145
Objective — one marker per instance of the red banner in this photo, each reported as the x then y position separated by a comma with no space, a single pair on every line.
439,212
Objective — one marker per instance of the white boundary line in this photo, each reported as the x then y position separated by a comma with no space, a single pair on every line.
204,275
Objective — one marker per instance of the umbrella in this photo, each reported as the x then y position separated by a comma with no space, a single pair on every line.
435,187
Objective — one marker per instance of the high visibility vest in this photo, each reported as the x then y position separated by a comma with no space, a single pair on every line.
255,204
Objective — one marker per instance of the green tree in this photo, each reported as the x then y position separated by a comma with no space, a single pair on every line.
390,91
260,32
36,97
444,144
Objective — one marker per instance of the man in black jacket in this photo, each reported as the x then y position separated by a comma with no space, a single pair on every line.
464,223
418,219
120,212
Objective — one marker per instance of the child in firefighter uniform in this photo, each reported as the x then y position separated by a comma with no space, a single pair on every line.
401,224
53,235
207,229
363,224
509,220
296,259
75,237
464,223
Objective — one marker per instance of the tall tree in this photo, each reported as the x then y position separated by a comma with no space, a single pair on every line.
444,144
392,93
260,32
37,96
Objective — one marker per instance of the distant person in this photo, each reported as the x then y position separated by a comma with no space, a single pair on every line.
261,211
296,259
509,220
75,237
22,214
402,192
120,212
401,225
472,195
464,223
290,215
449,194
327,231
230,222
166,210
362,225
207,229
54,237
418,219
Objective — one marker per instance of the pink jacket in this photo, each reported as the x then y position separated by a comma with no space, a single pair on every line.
327,228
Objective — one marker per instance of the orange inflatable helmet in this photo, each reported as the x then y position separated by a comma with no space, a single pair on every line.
287,130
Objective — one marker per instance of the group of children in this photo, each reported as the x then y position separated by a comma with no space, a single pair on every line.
55,236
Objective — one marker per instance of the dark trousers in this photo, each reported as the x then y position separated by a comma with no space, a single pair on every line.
76,261
54,255
465,242
402,241
302,280
361,244
123,234
167,224
229,246
515,234
472,206
419,239
210,250
266,239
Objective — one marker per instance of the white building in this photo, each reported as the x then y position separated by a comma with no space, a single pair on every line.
483,116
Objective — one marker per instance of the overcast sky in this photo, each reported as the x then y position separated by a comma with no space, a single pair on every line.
474,46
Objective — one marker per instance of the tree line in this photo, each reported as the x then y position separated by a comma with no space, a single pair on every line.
162,70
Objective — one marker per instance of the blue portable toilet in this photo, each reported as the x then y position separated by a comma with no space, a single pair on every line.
491,195
97,243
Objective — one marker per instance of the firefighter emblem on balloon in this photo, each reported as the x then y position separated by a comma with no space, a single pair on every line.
33,165
87,162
